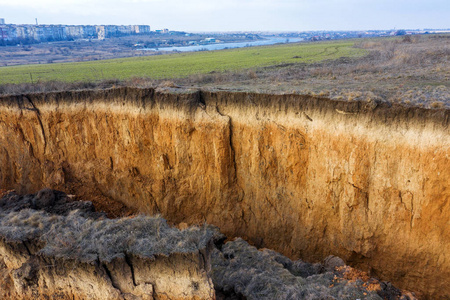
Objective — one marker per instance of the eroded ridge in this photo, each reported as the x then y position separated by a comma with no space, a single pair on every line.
54,247
51,247
367,181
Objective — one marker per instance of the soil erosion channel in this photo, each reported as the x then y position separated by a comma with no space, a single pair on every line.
305,176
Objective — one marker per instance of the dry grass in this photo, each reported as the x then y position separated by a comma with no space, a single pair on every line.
413,71
409,70
87,237
51,86
241,271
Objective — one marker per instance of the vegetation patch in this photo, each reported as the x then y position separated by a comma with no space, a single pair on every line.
240,271
85,236
180,65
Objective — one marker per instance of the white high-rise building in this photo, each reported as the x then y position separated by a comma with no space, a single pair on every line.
2,21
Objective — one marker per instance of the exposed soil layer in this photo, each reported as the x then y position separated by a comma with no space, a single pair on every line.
54,247
302,175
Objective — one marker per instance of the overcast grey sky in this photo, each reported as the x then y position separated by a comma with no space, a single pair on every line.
235,15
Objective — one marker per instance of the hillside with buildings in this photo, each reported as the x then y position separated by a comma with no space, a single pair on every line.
26,34
12,34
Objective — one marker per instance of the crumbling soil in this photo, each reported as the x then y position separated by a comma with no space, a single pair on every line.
238,270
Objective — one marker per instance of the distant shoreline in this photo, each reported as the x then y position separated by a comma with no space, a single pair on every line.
222,46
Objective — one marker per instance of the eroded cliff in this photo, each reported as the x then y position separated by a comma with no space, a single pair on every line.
302,175
52,247
55,247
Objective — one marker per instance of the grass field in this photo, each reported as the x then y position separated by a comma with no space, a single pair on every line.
181,64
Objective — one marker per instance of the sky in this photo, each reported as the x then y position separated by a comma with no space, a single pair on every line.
234,15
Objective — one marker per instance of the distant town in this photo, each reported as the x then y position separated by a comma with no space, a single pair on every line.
26,34
29,34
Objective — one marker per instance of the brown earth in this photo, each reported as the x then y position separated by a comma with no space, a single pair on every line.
303,175
26,274
29,276
52,247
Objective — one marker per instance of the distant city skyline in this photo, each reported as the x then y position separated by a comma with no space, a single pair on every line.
234,15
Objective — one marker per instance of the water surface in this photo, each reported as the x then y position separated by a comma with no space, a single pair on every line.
221,46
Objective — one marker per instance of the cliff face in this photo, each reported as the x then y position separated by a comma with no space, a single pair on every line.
28,276
52,247
305,176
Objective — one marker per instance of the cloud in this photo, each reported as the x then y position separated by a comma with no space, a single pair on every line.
203,15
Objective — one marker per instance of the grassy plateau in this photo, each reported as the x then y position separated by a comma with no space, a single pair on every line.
179,65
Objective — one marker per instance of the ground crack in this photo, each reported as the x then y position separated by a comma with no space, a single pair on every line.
109,275
130,264
26,247
38,115
233,152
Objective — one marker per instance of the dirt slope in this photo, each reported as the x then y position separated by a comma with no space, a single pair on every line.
306,176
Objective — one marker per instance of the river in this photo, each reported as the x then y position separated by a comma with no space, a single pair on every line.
221,46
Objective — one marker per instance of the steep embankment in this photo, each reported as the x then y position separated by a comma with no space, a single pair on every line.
305,176
54,248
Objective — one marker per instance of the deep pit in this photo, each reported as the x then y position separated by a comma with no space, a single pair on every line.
306,176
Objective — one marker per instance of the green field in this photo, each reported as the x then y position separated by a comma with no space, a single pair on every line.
180,64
